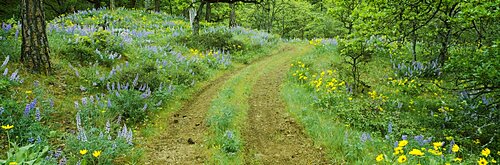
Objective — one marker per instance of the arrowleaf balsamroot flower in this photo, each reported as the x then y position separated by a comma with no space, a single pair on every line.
84,151
402,159
482,161
380,158
455,148
416,152
7,127
96,153
485,152
402,143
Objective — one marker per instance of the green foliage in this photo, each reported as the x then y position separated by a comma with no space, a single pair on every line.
31,154
131,106
101,47
218,40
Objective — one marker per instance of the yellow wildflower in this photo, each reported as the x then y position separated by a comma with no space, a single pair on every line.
83,152
457,159
416,152
350,98
402,159
482,161
455,148
402,143
476,141
398,150
7,127
28,92
380,157
96,153
13,163
485,152
493,160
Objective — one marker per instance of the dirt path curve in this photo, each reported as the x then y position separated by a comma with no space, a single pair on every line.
272,136
182,141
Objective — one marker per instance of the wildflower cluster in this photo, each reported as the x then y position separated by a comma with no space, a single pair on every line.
325,81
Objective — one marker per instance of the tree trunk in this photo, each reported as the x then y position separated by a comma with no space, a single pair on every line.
35,46
208,11
414,43
132,3
112,4
232,17
170,7
97,4
196,21
157,5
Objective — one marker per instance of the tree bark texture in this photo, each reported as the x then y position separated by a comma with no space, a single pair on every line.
35,46
196,21
157,5
232,17
208,11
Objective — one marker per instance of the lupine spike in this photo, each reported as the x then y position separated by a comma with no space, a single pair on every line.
5,62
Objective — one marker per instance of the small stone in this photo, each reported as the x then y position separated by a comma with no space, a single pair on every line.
191,141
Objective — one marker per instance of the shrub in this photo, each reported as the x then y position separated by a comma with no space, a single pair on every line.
222,40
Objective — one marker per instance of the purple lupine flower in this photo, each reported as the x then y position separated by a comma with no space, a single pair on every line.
91,99
1,110
14,75
365,137
82,88
108,127
5,62
62,161
109,103
38,139
37,114
31,140
84,101
51,103
404,137
83,136
6,71
229,134
119,119
113,86
428,140
76,105
145,107
159,103
27,110
419,139
17,33
108,87
101,135
396,144
117,94
58,153
129,137
78,121
389,128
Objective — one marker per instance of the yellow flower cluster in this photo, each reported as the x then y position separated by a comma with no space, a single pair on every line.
485,153
7,127
330,85
445,109
96,153
315,42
